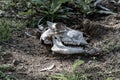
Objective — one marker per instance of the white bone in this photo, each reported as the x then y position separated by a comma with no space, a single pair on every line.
76,37
51,25
58,47
48,68
40,27
61,34
46,36
68,35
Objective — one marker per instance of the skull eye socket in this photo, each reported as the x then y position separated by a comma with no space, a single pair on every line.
55,37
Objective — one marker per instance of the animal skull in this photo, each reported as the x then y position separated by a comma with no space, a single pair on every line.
67,35
60,36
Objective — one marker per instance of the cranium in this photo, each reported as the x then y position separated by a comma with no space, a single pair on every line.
67,35
63,37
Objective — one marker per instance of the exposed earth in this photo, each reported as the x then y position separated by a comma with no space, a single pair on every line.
29,56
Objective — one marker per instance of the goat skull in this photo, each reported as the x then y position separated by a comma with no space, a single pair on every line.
67,35
64,36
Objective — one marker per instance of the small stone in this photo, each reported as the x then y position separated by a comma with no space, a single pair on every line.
16,62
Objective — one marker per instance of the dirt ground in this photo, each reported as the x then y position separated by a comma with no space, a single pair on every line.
29,56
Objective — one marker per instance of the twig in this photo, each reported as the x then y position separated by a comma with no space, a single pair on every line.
29,35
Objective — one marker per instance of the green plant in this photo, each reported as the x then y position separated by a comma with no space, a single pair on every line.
7,67
7,25
51,9
4,76
33,10
16,24
5,31
108,45
1,54
76,64
4,68
75,75
85,6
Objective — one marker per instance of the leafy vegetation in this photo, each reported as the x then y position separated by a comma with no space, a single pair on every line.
4,76
51,9
109,45
110,78
5,31
48,10
8,67
74,75
85,7
7,25
1,52
5,68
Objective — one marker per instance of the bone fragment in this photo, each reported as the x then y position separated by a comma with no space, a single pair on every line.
48,68
40,27
58,47
46,36
29,35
